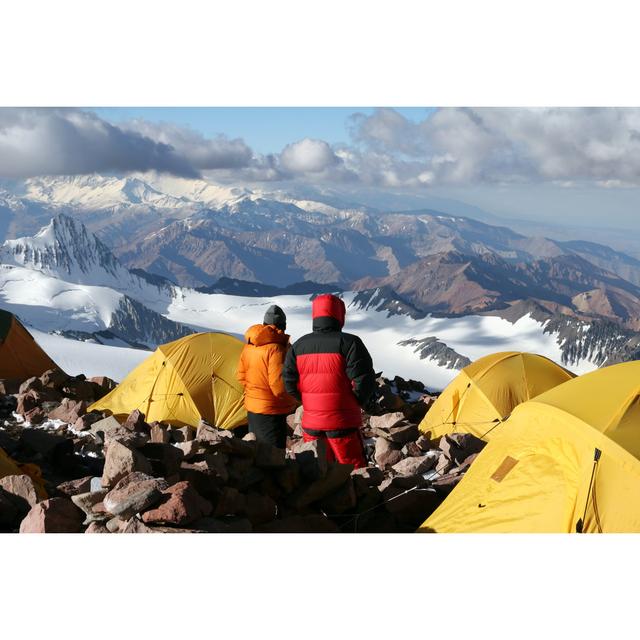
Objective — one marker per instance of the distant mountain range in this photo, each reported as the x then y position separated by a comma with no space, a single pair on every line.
141,260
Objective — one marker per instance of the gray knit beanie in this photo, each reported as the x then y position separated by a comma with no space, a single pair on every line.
276,316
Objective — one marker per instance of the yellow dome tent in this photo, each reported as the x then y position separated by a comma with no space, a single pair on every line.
21,357
9,467
568,461
485,392
183,381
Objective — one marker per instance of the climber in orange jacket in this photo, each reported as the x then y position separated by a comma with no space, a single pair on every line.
260,373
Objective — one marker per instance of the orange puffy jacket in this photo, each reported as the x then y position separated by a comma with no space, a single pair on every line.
260,370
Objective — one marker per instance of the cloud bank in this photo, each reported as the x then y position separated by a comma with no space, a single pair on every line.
451,146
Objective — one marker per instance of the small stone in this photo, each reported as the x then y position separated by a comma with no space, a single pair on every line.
25,402
55,515
387,421
96,527
341,500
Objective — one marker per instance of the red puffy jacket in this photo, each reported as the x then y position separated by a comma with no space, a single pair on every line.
331,372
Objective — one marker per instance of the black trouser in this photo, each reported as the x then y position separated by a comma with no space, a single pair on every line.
269,428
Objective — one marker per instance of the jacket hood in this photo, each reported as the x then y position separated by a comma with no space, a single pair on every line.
260,334
328,312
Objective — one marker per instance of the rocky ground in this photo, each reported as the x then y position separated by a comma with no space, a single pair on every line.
101,476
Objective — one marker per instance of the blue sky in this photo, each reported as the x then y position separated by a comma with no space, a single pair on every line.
265,129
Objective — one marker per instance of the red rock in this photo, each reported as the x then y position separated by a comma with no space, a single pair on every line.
288,477
386,453
165,459
182,506
55,515
22,491
414,465
120,461
96,527
458,446
135,422
74,487
387,421
69,411
182,434
83,423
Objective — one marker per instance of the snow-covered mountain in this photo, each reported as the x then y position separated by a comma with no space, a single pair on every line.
101,270
64,279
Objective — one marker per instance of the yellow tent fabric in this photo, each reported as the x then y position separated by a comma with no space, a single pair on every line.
9,467
183,381
486,392
20,355
540,473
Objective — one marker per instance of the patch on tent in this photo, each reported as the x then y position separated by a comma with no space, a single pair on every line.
505,467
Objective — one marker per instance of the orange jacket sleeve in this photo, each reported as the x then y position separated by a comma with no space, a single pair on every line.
275,364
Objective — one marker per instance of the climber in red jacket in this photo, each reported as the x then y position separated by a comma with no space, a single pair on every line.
331,372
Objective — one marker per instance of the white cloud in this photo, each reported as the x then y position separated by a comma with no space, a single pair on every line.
308,156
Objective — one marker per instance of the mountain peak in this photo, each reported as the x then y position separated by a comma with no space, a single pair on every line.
65,248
